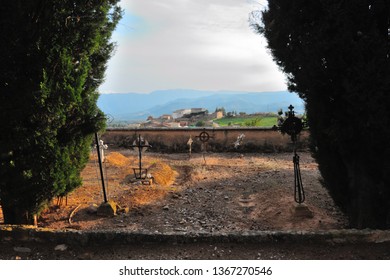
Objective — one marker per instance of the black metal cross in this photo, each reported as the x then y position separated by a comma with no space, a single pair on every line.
142,145
293,126
204,137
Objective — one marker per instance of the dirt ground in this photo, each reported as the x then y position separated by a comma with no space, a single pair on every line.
216,193
197,251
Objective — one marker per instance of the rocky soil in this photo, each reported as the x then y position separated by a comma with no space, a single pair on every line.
195,251
213,194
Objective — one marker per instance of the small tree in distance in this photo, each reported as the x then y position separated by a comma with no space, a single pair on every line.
336,56
53,61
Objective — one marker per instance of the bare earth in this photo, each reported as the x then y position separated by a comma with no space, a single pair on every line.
221,193
218,193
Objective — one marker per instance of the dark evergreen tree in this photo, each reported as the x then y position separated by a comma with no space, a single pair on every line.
54,56
336,56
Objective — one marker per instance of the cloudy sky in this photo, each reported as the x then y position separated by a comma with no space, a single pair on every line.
190,44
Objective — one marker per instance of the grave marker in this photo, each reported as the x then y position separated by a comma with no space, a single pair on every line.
204,137
141,145
292,126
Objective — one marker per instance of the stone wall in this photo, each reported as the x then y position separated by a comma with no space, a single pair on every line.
221,139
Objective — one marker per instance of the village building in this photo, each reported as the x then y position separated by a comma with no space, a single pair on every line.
217,115
180,113
166,117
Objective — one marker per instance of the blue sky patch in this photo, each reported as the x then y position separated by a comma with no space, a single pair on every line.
132,25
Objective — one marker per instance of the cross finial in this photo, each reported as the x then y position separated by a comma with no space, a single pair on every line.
291,113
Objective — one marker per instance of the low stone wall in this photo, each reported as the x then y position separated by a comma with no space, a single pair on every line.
221,139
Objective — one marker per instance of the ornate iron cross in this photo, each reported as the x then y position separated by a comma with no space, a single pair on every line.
293,126
204,137
142,145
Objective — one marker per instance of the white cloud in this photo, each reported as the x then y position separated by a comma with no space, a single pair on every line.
199,44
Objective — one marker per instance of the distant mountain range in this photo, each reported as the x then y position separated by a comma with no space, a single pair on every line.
136,106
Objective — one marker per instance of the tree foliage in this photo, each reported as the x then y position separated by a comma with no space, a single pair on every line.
54,56
336,56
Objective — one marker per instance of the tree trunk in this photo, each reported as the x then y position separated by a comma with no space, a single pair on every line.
14,216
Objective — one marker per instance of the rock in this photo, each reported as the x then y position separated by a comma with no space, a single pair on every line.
166,207
92,209
175,196
61,247
107,209
303,211
22,249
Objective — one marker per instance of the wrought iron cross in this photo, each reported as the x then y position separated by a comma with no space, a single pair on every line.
142,145
293,126
204,137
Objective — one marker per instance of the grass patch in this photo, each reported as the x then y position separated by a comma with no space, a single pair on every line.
248,121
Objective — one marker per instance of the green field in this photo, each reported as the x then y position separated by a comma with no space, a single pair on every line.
248,121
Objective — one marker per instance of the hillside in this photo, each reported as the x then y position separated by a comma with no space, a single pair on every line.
135,106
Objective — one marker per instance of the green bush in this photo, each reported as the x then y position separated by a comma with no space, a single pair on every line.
53,61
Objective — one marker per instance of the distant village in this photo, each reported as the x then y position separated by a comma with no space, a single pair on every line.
200,117
184,118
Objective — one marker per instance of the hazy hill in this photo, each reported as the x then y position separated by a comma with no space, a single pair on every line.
135,106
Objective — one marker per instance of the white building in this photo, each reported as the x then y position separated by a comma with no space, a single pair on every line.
179,113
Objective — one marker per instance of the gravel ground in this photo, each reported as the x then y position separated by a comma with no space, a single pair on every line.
218,194
205,251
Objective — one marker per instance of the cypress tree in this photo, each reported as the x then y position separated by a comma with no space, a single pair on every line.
336,56
54,59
